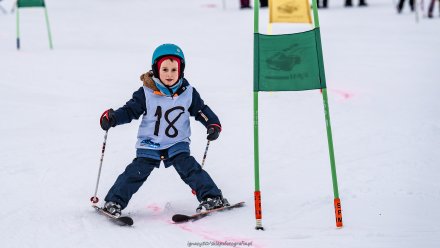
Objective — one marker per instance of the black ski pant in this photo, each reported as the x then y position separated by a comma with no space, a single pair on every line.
349,3
431,7
401,2
322,4
244,3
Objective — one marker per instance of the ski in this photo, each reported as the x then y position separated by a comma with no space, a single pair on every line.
180,218
122,220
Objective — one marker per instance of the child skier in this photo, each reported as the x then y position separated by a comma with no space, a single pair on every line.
166,100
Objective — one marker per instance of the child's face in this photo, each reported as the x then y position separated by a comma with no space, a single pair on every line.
168,72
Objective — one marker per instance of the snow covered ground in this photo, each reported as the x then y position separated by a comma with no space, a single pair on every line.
382,75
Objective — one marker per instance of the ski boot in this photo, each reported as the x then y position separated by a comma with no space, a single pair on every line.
113,208
210,203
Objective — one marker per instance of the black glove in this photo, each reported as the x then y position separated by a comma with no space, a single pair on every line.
108,119
213,131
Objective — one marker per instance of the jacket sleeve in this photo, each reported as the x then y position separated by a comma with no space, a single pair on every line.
133,109
202,112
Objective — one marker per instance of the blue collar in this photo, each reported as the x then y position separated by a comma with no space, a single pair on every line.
167,90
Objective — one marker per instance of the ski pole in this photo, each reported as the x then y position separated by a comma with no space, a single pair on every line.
203,160
204,155
94,199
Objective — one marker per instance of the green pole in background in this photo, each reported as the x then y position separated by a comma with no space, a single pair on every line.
32,4
337,201
48,28
18,29
257,193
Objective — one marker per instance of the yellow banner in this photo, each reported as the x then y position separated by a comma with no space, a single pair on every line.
296,11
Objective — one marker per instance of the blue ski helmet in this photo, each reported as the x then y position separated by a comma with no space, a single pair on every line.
167,50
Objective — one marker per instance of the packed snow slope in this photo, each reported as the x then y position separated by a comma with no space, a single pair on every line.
382,73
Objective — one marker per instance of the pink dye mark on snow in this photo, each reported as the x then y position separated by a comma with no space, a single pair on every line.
155,208
157,212
342,93
212,236
209,5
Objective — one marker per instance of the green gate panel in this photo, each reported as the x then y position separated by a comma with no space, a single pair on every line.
289,62
30,3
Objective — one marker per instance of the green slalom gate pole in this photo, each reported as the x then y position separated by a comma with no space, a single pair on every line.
337,201
18,28
257,193
48,28
32,4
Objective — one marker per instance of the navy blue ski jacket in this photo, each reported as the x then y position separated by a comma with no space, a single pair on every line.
136,107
